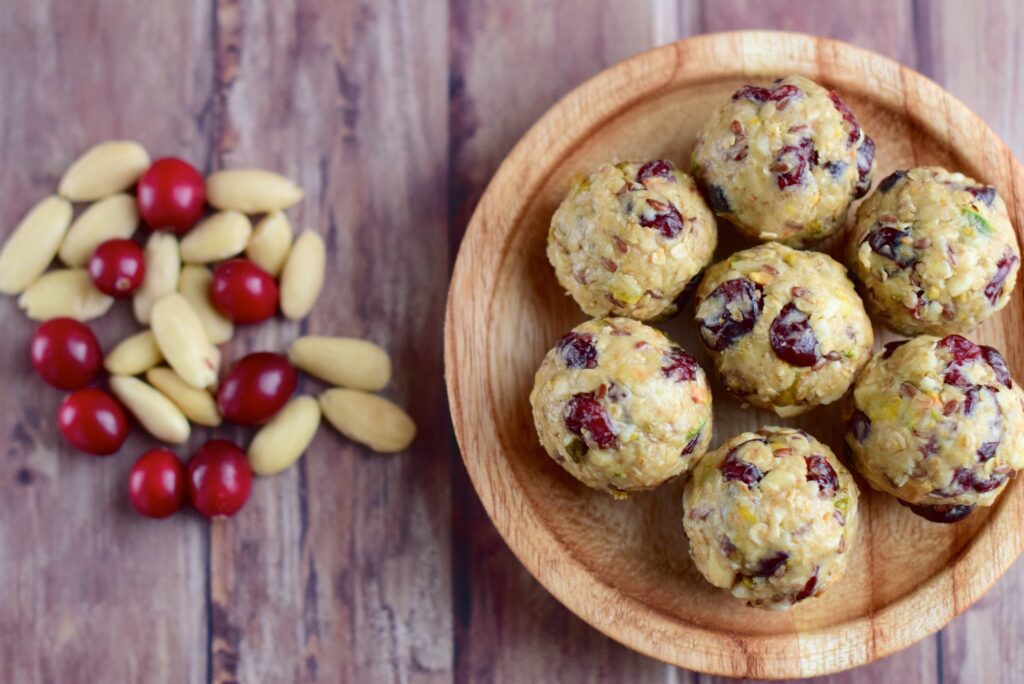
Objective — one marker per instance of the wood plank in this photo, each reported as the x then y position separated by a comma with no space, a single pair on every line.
91,591
339,569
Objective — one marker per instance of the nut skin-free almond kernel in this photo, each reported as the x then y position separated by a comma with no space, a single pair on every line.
163,266
133,355
283,440
368,419
115,217
155,412
342,361
303,275
251,191
182,341
270,242
223,235
64,292
198,405
33,244
194,285
103,170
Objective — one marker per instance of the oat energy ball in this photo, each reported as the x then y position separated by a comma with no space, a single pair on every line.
785,328
935,252
784,162
771,516
629,237
937,423
620,406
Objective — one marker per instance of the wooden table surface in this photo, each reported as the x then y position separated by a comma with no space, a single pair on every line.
392,115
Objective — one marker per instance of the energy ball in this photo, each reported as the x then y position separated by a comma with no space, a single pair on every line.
629,237
621,407
785,329
937,423
771,516
935,252
784,162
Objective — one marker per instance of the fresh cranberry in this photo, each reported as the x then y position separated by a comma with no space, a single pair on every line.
809,587
735,468
256,388
944,513
692,444
117,268
890,180
758,94
891,347
994,288
792,338
584,412
770,565
92,421
679,366
893,244
848,117
865,158
665,218
243,291
171,196
733,309
719,200
792,161
860,426
962,352
577,350
986,194
821,471
219,479
659,167
994,359
65,353
156,483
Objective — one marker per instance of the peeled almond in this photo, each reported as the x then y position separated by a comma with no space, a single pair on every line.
218,237
133,355
283,440
33,244
182,341
343,361
271,239
368,419
198,405
303,275
67,292
251,191
194,285
163,266
155,412
115,217
103,170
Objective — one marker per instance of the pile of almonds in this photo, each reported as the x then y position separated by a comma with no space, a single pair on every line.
168,374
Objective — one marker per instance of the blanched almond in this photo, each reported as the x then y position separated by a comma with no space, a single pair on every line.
218,237
133,355
33,244
271,239
251,191
303,275
344,361
198,405
114,217
163,265
107,168
368,419
282,441
155,412
182,341
64,292
194,285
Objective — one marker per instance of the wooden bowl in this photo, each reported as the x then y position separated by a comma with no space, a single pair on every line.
624,566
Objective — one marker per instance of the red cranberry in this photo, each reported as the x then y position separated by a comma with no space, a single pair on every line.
719,200
945,513
865,158
986,194
821,471
758,94
994,288
156,483
792,161
171,195
809,587
659,167
665,218
962,352
890,180
836,169
92,421
577,350
735,468
117,268
65,353
679,366
891,347
792,338
692,444
987,450
243,291
219,479
584,412
733,309
893,244
998,364
860,426
256,388
771,565
848,117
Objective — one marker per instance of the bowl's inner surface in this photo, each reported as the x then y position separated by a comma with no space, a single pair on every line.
638,545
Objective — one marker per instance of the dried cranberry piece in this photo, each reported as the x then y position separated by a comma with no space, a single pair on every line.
836,169
770,565
987,450
986,194
732,312
659,167
692,444
994,289
982,486
758,94
860,426
946,513
719,200
963,352
848,117
890,180
735,468
893,244
792,161
792,338
584,412
970,400
577,350
821,471
679,366
666,219
865,158
808,590
891,347
994,359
